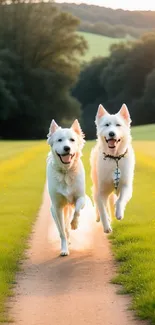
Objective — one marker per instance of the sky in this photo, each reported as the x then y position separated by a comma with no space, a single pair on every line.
115,4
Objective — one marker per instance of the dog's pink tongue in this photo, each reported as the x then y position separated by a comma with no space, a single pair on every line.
66,159
111,143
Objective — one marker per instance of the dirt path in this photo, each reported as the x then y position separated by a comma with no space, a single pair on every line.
52,290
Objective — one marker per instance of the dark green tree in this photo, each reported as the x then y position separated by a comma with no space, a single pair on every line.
41,65
127,75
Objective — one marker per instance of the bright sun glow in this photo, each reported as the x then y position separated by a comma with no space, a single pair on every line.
127,4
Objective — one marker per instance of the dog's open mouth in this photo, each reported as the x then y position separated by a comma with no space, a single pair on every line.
66,158
112,143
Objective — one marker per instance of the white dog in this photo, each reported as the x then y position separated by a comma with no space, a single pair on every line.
66,178
112,164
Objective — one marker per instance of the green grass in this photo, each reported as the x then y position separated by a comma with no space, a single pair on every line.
9,149
133,239
98,45
144,132
22,170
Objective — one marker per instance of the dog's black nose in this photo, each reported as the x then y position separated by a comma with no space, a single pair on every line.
111,134
66,148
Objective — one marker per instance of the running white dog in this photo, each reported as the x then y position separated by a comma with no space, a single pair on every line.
66,178
112,164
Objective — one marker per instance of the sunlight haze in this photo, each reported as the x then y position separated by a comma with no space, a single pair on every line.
128,4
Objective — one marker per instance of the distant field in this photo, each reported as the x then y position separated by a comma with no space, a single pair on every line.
144,132
98,45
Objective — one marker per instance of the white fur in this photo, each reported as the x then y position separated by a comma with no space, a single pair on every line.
66,182
102,170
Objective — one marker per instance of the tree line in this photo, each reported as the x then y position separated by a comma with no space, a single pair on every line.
126,76
113,31
112,23
39,63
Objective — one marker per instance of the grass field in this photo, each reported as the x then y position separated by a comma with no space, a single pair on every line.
133,239
144,132
98,45
22,170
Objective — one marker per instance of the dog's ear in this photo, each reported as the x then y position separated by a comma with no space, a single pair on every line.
101,112
77,128
125,114
53,127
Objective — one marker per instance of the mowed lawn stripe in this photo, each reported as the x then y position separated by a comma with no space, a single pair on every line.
19,201
9,168
10,149
147,149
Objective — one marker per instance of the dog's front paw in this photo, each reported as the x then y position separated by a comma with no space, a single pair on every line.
74,223
64,253
108,229
119,212
64,247
119,216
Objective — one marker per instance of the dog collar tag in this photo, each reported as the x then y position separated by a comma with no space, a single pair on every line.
116,177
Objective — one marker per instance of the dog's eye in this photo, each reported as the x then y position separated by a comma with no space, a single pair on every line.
72,139
107,124
118,124
59,140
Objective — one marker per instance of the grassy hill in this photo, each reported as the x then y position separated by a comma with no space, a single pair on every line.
110,22
98,45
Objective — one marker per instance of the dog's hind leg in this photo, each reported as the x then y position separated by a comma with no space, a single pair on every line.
125,196
102,204
97,214
94,191
68,216
55,218
59,220
94,180
80,203
111,205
